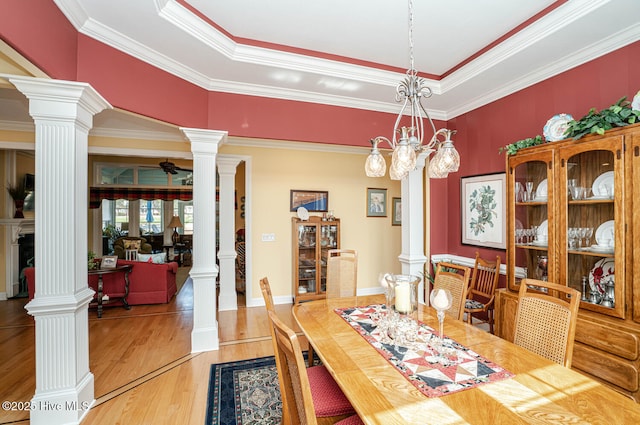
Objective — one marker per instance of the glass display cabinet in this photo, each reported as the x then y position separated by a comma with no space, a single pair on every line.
573,210
563,206
311,239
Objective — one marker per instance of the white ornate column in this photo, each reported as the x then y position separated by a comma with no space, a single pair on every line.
227,254
412,192
63,114
204,146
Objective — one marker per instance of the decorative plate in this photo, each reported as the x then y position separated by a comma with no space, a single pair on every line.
556,126
635,104
600,185
303,213
541,190
601,273
543,229
606,231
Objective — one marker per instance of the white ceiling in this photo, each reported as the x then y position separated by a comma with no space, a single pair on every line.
356,51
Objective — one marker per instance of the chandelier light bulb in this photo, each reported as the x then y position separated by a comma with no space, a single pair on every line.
375,166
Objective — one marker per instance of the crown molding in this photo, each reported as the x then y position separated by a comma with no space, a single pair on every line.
594,51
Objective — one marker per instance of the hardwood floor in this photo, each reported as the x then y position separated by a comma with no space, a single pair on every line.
143,369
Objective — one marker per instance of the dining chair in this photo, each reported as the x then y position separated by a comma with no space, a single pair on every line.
546,319
342,279
455,278
313,396
328,400
482,291
342,273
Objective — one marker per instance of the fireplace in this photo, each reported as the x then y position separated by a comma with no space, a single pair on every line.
20,232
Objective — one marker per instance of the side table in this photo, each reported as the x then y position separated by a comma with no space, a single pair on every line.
101,272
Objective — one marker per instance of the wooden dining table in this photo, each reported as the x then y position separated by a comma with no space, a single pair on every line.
541,392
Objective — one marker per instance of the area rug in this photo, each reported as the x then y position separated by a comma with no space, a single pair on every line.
181,277
244,393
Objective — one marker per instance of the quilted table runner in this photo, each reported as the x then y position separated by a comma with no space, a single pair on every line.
436,367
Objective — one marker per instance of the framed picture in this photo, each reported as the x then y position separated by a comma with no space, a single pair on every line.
312,200
483,205
109,262
376,202
396,211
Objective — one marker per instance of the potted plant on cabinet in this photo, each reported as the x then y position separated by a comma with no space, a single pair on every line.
18,193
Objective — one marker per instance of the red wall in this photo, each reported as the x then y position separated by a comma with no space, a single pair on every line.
483,131
41,33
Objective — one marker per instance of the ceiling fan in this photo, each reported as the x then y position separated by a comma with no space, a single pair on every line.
171,168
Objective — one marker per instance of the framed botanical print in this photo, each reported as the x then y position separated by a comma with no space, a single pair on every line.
484,215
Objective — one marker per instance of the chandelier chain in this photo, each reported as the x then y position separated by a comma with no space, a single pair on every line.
412,68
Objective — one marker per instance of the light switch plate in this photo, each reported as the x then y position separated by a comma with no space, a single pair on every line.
268,237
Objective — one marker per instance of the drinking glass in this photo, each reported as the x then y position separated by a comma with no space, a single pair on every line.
572,234
518,191
582,234
576,192
588,234
534,233
529,191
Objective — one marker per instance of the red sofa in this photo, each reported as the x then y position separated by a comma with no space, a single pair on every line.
149,283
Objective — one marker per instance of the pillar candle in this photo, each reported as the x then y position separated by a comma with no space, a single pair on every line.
403,298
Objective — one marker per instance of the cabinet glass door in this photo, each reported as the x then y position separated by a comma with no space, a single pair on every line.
328,240
531,229
307,265
592,223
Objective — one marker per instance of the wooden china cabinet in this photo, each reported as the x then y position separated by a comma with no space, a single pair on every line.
582,238
311,239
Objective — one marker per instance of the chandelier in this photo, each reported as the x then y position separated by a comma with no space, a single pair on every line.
407,141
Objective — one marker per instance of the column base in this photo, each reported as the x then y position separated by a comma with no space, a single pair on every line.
63,406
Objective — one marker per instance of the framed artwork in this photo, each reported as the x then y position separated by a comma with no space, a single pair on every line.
312,200
484,214
396,211
109,262
376,202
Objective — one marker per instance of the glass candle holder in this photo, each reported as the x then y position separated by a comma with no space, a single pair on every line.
441,300
402,293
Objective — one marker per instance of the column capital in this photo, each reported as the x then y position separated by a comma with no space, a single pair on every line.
60,100
227,165
203,140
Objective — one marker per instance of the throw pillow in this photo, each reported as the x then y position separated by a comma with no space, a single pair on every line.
132,244
152,258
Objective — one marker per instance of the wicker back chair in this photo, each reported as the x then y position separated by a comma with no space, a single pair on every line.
268,301
455,278
342,273
304,399
313,390
546,321
482,292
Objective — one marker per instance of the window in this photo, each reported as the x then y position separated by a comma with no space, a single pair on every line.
184,210
151,220
151,217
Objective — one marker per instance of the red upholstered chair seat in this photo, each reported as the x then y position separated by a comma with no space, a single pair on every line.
351,420
328,398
